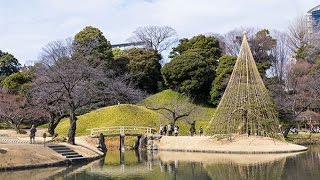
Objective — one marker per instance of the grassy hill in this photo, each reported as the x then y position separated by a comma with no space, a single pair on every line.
166,98
137,115
117,115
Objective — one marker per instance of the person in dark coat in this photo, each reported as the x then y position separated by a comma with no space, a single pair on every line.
165,130
192,129
200,131
170,129
33,131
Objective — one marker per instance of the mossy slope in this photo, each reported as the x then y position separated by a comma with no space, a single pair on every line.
136,115
204,113
118,115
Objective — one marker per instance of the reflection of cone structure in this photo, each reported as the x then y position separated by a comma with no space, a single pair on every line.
223,158
272,170
246,106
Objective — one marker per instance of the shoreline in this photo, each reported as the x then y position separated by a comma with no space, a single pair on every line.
239,145
63,163
86,147
232,152
35,166
222,158
22,156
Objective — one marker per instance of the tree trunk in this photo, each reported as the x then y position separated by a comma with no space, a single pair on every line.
11,124
52,126
55,120
16,128
175,119
291,124
18,125
286,132
73,127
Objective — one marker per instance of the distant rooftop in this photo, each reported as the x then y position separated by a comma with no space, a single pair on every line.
123,45
317,8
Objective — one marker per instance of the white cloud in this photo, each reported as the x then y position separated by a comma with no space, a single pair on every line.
26,26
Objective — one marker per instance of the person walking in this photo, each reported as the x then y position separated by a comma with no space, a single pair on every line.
161,130
192,129
176,129
200,131
169,130
33,131
165,130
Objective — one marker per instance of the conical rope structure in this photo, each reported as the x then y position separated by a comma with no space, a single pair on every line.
246,106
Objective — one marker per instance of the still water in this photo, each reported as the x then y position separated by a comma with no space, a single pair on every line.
179,165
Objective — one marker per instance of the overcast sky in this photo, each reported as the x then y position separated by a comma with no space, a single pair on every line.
28,25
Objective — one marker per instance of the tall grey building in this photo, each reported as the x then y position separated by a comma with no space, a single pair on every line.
313,16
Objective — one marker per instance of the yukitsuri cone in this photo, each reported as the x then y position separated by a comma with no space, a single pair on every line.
246,106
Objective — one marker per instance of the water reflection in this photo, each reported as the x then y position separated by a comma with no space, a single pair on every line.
233,166
304,166
182,165
255,171
30,174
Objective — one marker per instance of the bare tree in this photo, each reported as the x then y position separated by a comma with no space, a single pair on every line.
298,34
14,110
303,42
221,39
53,106
232,39
66,86
67,80
158,38
118,89
302,90
313,50
281,54
177,109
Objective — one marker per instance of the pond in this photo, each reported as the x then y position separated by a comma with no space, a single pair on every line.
182,165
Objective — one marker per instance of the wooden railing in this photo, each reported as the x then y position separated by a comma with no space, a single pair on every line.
121,130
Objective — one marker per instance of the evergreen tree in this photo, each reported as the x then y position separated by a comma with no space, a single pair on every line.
190,74
144,68
8,64
223,73
90,43
192,68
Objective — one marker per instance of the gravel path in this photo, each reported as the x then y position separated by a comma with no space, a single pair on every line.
12,140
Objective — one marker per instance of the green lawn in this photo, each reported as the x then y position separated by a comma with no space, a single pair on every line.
118,115
136,115
202,115
304,138
165,98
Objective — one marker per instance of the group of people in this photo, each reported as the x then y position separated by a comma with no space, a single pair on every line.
315,129
312,129
172,130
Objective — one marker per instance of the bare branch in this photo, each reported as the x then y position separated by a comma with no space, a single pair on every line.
158,38
298,33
